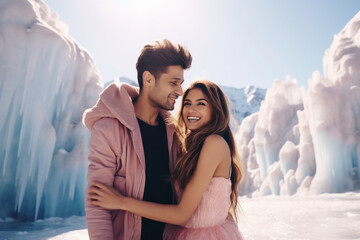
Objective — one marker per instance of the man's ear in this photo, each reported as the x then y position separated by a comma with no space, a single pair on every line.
148,78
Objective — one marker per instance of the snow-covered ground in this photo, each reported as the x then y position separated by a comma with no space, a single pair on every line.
325,216
53,228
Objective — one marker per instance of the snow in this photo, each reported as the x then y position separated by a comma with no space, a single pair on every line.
244,101
325,216
73,227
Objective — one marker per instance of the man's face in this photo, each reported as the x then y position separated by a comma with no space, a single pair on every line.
167,88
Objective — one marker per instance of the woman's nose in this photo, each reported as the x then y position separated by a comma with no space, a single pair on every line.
191,109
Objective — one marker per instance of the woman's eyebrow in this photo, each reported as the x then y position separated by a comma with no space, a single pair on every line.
197,100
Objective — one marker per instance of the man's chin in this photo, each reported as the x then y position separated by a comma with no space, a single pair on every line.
168,107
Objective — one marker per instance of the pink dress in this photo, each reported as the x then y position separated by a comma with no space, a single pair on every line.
210,219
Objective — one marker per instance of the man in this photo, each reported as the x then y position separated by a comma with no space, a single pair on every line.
133,146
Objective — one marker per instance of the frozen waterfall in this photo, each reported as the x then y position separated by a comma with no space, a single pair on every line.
46,82
304,142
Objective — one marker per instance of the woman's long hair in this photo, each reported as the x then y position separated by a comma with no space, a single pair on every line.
192,141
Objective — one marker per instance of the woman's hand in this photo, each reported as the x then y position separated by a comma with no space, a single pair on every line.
105,197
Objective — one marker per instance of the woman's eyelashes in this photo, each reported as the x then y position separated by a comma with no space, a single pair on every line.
198,104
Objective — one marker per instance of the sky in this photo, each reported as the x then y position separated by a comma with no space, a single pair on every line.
233,42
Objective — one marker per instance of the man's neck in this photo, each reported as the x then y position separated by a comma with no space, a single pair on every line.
145,111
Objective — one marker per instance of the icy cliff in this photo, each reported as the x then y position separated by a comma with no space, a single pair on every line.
308,141
46,82
244,101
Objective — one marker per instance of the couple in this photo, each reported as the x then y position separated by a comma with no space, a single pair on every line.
146,169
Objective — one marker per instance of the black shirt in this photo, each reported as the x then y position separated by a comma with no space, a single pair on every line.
157,184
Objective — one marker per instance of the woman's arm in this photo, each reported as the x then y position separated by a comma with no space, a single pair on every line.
214,151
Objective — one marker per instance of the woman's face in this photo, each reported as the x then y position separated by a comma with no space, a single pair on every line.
196,109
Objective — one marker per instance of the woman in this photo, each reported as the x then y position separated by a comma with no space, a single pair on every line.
206,175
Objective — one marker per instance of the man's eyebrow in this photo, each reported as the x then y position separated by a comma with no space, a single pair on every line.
178,79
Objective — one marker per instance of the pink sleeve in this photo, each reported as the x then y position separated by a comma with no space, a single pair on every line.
102,166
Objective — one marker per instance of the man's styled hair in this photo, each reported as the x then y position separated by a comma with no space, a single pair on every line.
156,57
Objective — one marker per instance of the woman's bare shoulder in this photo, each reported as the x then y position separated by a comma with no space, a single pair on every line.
217,144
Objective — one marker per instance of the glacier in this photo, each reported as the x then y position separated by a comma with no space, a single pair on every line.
46,82
308,142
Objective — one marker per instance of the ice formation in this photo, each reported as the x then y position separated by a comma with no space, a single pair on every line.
46,82
308,141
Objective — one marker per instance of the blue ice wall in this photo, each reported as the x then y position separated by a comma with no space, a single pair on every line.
46,82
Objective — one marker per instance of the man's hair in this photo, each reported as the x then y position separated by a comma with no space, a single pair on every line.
156,57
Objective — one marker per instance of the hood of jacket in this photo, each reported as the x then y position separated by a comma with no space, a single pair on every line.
116,101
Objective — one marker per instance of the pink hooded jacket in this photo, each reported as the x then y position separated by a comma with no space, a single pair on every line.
117,159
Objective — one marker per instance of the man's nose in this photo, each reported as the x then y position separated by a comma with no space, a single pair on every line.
179,91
